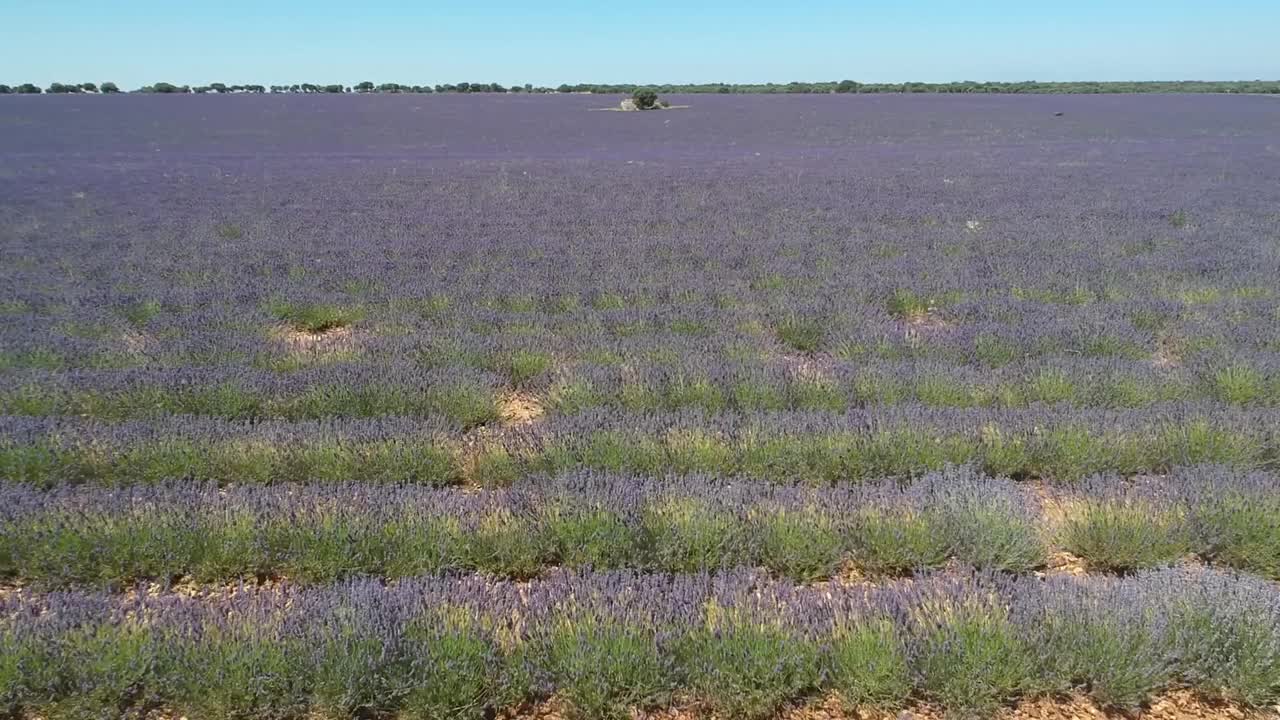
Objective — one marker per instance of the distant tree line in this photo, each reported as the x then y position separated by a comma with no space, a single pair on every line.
1030,86
60,88
840,86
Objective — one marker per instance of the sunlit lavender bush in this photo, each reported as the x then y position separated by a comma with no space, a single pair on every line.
616,640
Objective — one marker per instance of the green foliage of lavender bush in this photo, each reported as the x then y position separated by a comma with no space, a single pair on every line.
866,663
746,667
1063,453
458,670
241,671
140,313
898,543
971,657
606,670
802,334
686,535
1119,659
590,537
506,545
804,545
101,666
610,644
314,317
426,463
816,396
1239,530
988,532
469,405
748,396
525,366
356,675
1239,385
1126,536
1227,651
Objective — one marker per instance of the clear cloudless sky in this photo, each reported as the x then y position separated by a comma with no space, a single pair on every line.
135,42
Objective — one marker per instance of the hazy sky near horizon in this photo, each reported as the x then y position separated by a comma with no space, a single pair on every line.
548,43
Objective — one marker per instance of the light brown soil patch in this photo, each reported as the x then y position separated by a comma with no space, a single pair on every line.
1064,563
519,408
819,366
1176,705
1185,705
135,342
927,321
921,325
1055,507
301,341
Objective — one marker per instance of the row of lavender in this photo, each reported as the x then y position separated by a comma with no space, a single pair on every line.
468,396
679,525
1058,443
612,642
981,332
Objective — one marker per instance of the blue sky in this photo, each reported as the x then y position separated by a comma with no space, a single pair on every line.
547,43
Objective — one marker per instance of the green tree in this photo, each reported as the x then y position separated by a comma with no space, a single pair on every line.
645,99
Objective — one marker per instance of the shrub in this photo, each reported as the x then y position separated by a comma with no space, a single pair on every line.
240,672
1104,645
907,304
747,667
1239,385
699,393
802,545
866,663
817,396
495,467
458,670
607,668
802,335
228,231
994,351
574,397
505,545
1121,536
898,543
140,313
971,657
589,537
748,395
989,531
1240,530
524,366
1226,647
315,317
685,535
357,674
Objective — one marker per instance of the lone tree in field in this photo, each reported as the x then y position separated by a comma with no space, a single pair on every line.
645,99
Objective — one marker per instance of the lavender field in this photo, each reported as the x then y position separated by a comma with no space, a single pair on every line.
447,406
